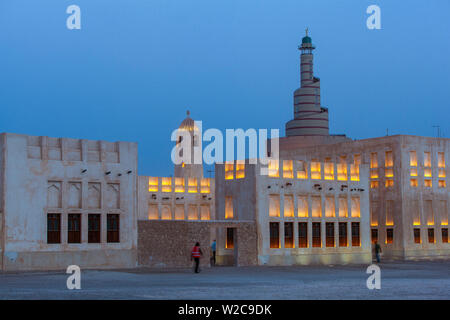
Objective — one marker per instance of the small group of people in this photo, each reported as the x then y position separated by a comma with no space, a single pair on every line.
196,254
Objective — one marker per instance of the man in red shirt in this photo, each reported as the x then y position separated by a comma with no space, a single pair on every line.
196,254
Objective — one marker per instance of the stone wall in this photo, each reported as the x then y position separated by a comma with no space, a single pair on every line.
169,243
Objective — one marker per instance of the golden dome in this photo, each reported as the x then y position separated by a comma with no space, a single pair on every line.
188,124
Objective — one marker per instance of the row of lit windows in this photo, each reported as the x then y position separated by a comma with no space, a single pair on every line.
388,183
388,159
316,236
169,184
389,236
430,234
426,159
428,183
74,228
179,212
315,205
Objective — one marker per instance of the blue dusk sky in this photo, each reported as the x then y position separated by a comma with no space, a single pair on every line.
136,66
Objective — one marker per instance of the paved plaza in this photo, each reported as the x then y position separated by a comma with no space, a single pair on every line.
399,280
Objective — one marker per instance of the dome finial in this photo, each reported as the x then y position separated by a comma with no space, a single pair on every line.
306,31
188,113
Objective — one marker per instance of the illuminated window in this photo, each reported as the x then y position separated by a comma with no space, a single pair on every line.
442,184
316,207
417,235
429,213
389,236
179,212
373,160
389,183
374,173
356,238
328,170
444,235
303,235
166,184
389,159
229,243
229,207
428,183
274,170
193,212
240,169
315,170
289,235
153,184
357,159
356,209
427,173
204,212
373,184
343,207
431,235
302,206
427,159
329,234
374,235
374,213
316,237
415,212
205,185
192,185
179,184
413,172
288,206
389,172
413,182
288,172
343,234
152,211
229,171
389,212
274,205
413,159
166,213
302,171
330,207
354,172
274,228
342,169
443,212
441,173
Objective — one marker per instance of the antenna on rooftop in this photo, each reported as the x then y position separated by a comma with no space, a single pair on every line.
438,130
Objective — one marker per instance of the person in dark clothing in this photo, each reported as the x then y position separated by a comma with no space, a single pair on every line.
196,254
213,249
377,251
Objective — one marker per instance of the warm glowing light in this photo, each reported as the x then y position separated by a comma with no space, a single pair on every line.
153,184
153,211
374,224
229,171
204,212
427,172
427,159
315,170
328,170
229,207
302,172
192,212
288,172
342,171
192,185
302,206
343,207
288,206
356,207
316,207
441,173
441,160
373,160
166,184
240,169
179,212
416,223
179,184
389,173
354,172
389,159
274,205
413,159
373,184
205,185
273,169
413,172
413,183
428,183
389,183
330,210
442,184
166,213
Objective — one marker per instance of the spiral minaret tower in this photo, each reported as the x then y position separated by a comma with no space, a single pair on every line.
310,118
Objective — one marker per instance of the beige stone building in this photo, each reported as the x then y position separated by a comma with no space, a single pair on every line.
67,201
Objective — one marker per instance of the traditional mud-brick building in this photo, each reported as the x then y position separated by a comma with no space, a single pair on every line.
326,200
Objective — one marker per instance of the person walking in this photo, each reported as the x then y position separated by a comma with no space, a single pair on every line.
213,249
196,254
377,251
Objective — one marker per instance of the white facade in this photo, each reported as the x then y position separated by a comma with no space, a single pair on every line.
90,183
